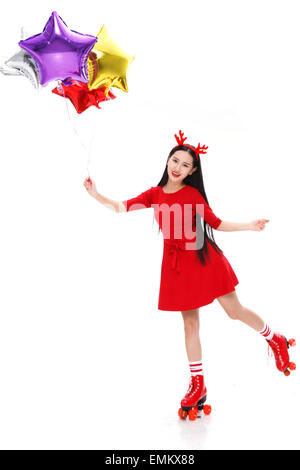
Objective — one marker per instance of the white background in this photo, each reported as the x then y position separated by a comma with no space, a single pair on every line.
87,359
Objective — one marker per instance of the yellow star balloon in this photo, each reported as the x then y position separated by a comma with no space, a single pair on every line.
107,63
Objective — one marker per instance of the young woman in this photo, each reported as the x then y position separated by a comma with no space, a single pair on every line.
194,269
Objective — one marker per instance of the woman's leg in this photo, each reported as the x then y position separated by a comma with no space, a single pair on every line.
278,342
191,331
236,311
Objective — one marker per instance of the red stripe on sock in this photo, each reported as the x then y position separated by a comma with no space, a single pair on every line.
266,331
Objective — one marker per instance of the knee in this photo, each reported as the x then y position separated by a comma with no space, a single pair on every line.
235,313
191,326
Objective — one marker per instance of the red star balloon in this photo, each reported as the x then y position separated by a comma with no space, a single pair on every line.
81,96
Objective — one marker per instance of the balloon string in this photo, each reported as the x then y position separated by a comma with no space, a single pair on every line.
87,150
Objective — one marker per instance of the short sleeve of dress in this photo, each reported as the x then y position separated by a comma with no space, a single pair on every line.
208,214
142,201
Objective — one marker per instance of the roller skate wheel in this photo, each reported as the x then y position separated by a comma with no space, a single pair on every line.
292,366
287,372
193,414
207,409
292,342
182,413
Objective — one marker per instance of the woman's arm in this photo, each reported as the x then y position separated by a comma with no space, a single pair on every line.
90,186
256,225
110,203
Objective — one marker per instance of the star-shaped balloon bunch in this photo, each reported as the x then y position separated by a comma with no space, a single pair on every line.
84,65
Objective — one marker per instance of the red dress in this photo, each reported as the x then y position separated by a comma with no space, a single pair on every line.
185,283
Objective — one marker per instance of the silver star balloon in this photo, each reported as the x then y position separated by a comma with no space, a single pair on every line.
21,64
8,71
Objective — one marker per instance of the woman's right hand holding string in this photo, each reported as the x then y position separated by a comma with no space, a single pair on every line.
90,186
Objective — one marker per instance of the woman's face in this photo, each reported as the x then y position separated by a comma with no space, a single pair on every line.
180,165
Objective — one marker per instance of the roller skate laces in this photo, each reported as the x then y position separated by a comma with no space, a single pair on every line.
279,346
194,399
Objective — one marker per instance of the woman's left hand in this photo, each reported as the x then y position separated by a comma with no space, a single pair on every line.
258,225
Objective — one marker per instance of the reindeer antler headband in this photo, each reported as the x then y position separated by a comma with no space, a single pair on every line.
197,150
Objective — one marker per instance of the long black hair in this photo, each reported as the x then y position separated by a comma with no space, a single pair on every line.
195,180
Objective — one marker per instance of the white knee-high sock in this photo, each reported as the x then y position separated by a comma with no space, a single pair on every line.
266,332
196,368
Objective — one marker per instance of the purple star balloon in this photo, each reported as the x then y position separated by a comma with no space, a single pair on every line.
59,52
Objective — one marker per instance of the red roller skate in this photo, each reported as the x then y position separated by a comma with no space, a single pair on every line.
279,345
194,399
